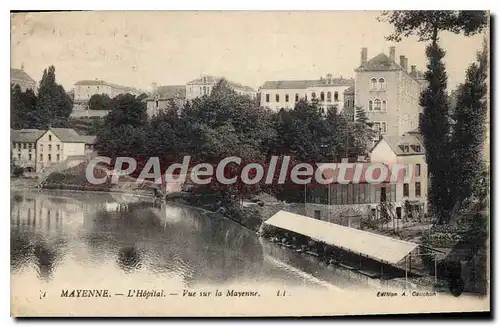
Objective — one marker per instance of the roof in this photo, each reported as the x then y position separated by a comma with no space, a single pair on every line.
69,135
380,62
167,92
101,82
349,90
215,79
25,135
88,139
303,84
397,143
378,247
20,74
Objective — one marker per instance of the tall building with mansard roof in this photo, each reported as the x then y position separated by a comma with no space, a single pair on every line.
389,92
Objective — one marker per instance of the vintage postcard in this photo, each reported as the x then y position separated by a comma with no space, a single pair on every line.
233,164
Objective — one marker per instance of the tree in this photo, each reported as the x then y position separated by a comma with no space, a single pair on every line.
22,108
361,134
127,110
99,102
435,126
53,101
469,130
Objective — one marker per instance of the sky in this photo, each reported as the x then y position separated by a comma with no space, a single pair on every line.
139,48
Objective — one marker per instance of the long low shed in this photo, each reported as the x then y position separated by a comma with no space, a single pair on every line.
378,247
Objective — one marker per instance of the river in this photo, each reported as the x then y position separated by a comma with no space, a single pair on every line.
66,240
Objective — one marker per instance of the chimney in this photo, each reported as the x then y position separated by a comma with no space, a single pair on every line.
392,53
364,55
413,71
403,62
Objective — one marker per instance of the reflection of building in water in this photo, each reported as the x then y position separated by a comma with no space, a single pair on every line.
45,213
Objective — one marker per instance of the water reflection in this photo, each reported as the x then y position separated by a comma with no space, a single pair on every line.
101,237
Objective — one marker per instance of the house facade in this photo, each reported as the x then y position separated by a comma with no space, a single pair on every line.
23,147
403,191
34,149
162,96
389,93
85,89
329,92
205,84
21,78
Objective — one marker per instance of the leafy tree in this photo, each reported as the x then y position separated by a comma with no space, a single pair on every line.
53,102
99,102
360,134
469,129
22,108
435,126
127,110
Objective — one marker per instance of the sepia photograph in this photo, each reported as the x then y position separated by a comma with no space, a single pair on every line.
249,163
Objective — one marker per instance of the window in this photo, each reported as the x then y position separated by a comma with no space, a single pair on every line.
376,127
417,189
417,168
322,96
384,127
204,79
329,96
287,97
58,157
377,104
277,98
267,97
317,214
370,105
50,138
41,147
19,156
29,157
30,145
381,84
49,157
384,105
336,96
204,90
406,189
50,147
24,145
41,157
406,148
313,95
296,97
373,84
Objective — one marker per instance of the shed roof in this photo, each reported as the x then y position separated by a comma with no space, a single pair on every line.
25,135
378,247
